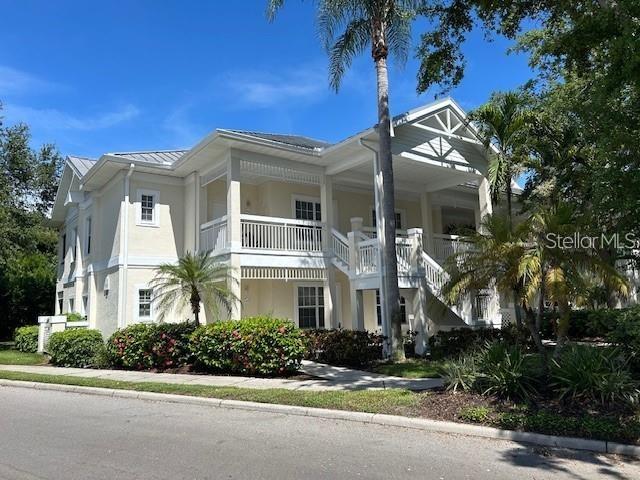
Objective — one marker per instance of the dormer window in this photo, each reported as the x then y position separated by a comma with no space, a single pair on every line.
147,208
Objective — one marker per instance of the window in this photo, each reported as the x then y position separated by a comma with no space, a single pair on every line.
403,308
72,305
399,215
64,251
60,302
73,245
144,303
308,210
85,304
310,307
88,236
147,211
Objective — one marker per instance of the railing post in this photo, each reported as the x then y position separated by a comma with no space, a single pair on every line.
354,237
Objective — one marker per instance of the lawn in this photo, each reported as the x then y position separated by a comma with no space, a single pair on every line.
8,356
411,368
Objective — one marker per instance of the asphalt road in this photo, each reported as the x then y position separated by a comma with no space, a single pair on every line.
55,435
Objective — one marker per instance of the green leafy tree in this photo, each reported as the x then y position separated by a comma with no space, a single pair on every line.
196,279
348,28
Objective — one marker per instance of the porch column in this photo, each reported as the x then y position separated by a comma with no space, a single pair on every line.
356,297
234,234
421,324
426,210
484,203
326,208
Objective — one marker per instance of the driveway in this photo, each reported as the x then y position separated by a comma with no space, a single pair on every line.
56,435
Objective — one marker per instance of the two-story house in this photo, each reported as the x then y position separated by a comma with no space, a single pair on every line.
295,218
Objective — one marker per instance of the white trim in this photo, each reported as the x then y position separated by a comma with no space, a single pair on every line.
296,316
136,313
155,221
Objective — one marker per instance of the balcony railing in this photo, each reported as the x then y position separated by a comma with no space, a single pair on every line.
446,245
213,235
281,234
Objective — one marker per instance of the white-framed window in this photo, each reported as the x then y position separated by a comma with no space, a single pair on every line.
72,305
144,305
88,235
147,213
74,244
63,254
403,308
310,305
60,302
307,208
85,305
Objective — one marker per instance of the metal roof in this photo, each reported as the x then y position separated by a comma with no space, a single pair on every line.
81,164
159,157
292,140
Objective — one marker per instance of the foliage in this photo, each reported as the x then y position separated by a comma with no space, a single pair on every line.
26,339
461,374
593,374
626,335
156,345
28,183
14,357
74,317
253,346
587,323
196,278
454,342
348,348
506,372
74,347
475,414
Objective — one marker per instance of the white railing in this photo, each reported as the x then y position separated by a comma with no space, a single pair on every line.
340,246
436,276
282,234
403,255
213,235
446,245
367,256
372,232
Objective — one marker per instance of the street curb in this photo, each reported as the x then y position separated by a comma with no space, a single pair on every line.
599,446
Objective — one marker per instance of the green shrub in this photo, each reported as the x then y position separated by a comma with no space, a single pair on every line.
458,341
593,374
475,414
150,345
26,339
460,374
346,348
75,317
505,371
253,346
626,335
75,347
588,323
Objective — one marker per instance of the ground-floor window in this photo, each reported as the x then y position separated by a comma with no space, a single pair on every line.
403,308
72,305
145,310
310,306
60,302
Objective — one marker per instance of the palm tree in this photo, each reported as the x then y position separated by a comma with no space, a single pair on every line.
347,28
195,279
502,123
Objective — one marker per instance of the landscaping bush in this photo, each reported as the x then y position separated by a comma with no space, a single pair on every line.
75,317
626,335
155,345
588,323
346,348
460,374
458,341
74,347
593,374
254,346
26,339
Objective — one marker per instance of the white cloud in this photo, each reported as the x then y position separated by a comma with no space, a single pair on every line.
13,81
56,120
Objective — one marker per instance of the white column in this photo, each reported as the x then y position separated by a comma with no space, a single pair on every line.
234,234
357,303
329,286
426,211
421,324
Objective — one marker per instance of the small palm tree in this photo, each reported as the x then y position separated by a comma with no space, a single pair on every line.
348,28
195,279
502,123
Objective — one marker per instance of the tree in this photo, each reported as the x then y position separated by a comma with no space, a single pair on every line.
347,28
502,124
195,279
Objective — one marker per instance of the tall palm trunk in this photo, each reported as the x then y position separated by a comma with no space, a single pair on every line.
195,307
390,279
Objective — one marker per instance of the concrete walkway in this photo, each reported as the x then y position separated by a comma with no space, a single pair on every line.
329,378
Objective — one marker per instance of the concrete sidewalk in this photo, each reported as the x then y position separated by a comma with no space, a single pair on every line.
329,378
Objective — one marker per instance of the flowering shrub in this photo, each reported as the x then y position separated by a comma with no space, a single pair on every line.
144,346
76,347
253,346
26,339
347,348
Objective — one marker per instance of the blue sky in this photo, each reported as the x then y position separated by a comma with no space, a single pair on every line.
96,77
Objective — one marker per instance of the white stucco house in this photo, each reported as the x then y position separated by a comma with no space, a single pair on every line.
295,218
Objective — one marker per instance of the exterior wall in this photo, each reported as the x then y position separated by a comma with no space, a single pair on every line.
106,302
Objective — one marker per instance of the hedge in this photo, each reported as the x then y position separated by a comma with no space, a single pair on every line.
75,347
588,323
144,346
347,348
26,339
253,346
